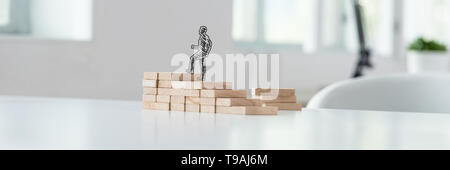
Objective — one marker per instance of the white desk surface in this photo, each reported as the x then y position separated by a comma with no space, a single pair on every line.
58,123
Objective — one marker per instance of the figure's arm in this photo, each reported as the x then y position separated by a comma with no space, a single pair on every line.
194,46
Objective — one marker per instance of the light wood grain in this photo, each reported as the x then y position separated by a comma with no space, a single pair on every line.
177,107
178,99
207,109
271,99
211,101
234,102
192,100
156,106
192,107
177,76
149,83
247,110
224,93
163,98
273,92
285,106
185,92
192,77
164,76
150,90
164,84
151,75
165,91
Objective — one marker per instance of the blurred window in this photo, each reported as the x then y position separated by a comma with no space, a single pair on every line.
329,25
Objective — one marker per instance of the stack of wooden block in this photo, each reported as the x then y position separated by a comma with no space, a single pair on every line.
187,92
284,99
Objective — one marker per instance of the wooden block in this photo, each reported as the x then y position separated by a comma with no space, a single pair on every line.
192,77
178,99
165,91
234,102
150,90
155,106
285,106
192,100
214,85
185,92
192,107
164,76
163,98
177,107
184,84
210,101
224,93
177,76
149,98
188,77
247,110
273,92
207,109
150,75
149,83
198,77
271,99
164,84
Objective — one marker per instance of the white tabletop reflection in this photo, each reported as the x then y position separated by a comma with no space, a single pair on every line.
60,123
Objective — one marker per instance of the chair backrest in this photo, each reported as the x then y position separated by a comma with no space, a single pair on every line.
403,93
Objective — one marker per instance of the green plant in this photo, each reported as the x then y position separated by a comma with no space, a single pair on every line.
421,44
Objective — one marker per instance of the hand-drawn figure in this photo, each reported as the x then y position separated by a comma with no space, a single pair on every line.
202,49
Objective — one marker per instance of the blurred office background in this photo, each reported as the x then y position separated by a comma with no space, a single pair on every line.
100,48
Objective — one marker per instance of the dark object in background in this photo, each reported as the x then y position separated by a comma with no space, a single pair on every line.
364,53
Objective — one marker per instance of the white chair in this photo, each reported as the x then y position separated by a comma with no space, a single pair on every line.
404,93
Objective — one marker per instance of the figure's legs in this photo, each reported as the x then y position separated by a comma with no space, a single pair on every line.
191,64
203,68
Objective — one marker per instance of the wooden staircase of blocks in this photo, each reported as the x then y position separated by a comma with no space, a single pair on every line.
186,92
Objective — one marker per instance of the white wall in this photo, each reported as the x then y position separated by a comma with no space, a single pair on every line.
134,36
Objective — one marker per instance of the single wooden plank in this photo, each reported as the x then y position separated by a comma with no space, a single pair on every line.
149,98
273,92
178,99
271,99
150,75
255,110
163,98
224,93
155,106
150,90
185,92
192,100
247,110
164,84
234,102
210,101
164,76
177,76
286,106
149,83
192,107
177,107
207,109
165,91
